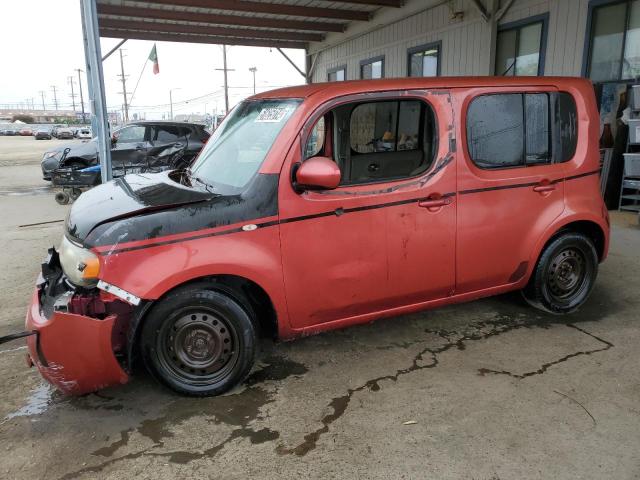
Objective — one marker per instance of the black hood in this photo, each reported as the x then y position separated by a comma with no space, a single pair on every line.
86,150
146,206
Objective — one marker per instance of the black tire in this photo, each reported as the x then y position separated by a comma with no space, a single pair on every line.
564,275
199,342
62,198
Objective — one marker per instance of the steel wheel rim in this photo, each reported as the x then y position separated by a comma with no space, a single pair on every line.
198,345
567,273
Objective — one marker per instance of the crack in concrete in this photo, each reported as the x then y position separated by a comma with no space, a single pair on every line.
340,404
156,429
546,366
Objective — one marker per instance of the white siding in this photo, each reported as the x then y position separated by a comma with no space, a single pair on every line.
465,43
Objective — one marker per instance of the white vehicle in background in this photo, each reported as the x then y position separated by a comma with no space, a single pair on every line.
84,133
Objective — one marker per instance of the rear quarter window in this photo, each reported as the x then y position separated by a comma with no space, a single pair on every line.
521,129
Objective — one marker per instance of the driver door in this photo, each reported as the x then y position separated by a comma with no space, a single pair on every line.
129,147
385,238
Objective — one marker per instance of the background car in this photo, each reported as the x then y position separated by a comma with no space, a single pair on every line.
84,133
64,133
137,145
26,132
9,133
43,134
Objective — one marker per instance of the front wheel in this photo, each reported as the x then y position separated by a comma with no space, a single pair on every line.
564,275
199,342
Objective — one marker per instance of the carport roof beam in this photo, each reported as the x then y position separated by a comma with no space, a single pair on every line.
211,18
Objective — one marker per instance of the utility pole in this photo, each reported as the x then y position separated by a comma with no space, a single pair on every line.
254,70
81,98
42,96
55,97
171,102
73,95
124,89
225,70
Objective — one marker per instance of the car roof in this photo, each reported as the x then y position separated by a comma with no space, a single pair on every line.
412,83
165,122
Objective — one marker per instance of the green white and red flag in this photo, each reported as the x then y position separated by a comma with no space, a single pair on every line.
153,56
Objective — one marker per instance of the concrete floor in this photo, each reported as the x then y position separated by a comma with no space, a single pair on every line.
486,390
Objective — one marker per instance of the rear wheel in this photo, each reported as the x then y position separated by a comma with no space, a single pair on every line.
564,275
199,342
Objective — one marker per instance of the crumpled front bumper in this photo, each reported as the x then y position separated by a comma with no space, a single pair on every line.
73,352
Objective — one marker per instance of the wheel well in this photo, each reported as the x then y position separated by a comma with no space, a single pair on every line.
246,292
590,229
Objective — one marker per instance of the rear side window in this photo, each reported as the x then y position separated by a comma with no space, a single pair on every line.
519,129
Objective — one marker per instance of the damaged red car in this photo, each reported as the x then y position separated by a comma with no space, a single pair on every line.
319,207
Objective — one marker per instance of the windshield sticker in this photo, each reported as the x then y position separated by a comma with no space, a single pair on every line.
272,114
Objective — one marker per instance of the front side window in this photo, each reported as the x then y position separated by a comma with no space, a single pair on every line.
372,68
614,52
387,140
337,74
424,61
131,134
519,49
236,150
315,142
518,129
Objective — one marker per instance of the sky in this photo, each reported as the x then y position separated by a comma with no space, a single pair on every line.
42,46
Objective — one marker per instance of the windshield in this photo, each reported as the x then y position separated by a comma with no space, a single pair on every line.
237,148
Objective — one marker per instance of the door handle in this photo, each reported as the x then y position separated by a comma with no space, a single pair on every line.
544,187
373,167
138,147
434,202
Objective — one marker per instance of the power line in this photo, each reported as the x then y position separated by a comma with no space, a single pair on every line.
73,95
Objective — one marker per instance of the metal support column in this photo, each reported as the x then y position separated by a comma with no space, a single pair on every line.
95,80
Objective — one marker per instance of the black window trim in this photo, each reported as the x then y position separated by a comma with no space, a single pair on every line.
519,24
372,60
553,136
360,98
588,39
337,69
422,48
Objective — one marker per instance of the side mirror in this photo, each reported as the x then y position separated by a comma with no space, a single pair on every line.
318,173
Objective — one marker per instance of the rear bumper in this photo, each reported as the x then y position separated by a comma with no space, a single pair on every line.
75,353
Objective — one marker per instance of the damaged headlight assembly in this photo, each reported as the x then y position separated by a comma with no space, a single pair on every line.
80,265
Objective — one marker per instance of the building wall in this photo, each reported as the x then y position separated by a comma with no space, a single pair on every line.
466,43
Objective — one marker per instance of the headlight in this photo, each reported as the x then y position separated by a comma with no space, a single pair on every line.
50,154
80,265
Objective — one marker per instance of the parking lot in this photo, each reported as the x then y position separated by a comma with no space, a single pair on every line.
485,390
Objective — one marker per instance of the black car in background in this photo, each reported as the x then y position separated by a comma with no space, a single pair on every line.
42,134
139,144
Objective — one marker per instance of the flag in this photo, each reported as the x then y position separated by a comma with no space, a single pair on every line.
153,56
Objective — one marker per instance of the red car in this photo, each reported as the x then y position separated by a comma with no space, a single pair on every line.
319,207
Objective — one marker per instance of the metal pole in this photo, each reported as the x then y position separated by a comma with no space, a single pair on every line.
124,89
253,70
55,98
84,120
73,94
170,106
226,87
95,80
42,96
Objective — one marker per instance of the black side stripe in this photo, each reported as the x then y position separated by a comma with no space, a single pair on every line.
337,212
529,184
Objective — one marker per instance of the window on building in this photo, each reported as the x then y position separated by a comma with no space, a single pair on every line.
338,74
424,61
519,129
614,43
372,68
520,48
